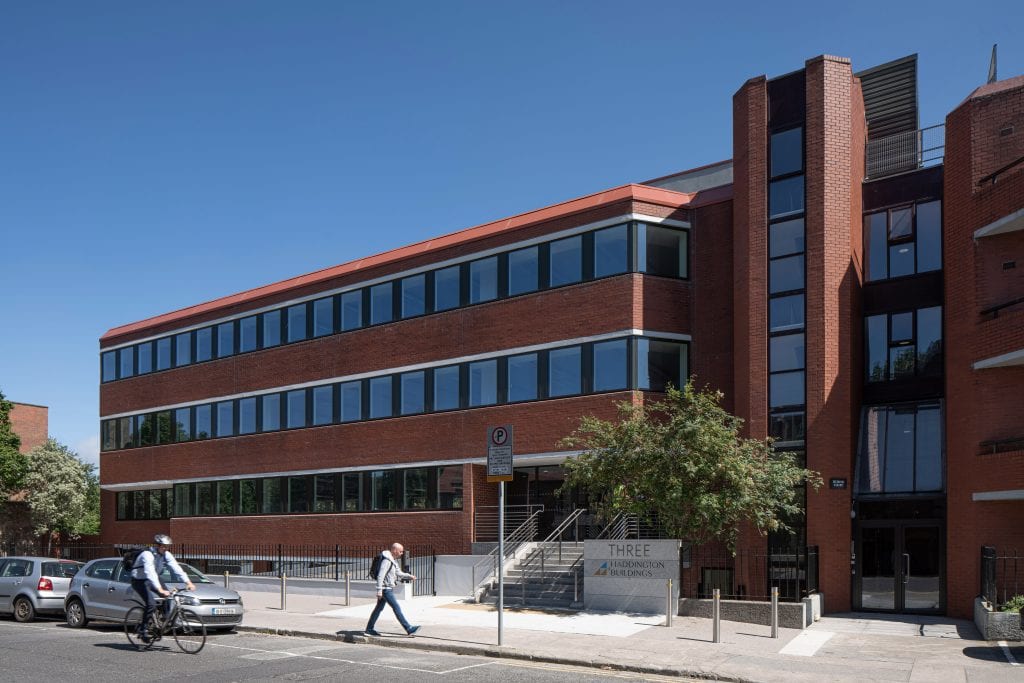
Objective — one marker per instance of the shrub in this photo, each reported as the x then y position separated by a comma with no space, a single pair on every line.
1014,604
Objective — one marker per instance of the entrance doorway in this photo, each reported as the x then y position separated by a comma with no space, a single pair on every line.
900,566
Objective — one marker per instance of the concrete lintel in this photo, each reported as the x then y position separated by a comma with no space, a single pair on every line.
1017,494
1003,361
1011,223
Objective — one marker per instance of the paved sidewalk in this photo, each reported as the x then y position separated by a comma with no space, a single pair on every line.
837,648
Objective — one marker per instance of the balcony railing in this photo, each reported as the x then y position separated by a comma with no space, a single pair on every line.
903,152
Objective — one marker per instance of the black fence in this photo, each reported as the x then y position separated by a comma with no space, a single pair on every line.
1002,575
323,562
749,574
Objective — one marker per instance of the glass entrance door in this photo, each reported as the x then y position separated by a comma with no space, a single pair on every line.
899,567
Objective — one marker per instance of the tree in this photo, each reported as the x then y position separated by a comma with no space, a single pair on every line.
90,522
682,461
13,463
57,489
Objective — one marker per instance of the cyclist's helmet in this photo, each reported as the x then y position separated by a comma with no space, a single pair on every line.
162,539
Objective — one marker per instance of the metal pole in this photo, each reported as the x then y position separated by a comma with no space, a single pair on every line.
716,617
284,582
501,562
226,585
775,611
668,604
348,588
337,561
576,585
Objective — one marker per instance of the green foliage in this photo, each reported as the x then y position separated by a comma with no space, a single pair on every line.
13,463
1014,604
90,523
683,462
57,488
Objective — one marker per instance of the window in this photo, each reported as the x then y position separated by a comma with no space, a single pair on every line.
205,503
610,365
323,493
382,490
271,329
522,377
786,274
902,449
611,251
566,261
295,406
786,238
786,352
163,353
903,241
109,431
786,197
483,383
145,358
145,429
247,334
483,280
523,271
183,500
323,317
273,498
447,286
204,421
381,304
904,344
661,251
108,362
247,415
351,401
412,386
786,313
204,344
163,427
786,389
126,431
788,427
225,339
415,489
298,494
380,397
352,492
271,413
226,418
565,371
787,152
660,363
323,405
296,323
183,424
225,497
182,349
126,361
449,487
446,388
414,296
247,501
352,310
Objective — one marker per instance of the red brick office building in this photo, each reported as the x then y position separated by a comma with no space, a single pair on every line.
851,292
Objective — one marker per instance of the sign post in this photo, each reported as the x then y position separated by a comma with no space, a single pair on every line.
499,469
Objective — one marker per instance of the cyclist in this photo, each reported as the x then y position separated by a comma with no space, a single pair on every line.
146,577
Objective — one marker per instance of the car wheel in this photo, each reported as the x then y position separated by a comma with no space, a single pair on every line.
75,614
24,610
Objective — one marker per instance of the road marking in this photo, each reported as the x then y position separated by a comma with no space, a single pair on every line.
1009,655
807,643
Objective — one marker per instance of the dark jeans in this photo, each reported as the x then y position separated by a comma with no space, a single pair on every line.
388,598
141,586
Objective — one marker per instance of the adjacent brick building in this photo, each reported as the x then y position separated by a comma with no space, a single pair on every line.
853,294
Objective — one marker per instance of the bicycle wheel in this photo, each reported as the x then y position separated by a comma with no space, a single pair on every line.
189,631
132,623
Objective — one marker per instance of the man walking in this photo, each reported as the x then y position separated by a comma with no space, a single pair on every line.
388,575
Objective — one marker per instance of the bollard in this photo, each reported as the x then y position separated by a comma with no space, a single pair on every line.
348,588
576,585
226,584
668,605
775,611
716,617
284,583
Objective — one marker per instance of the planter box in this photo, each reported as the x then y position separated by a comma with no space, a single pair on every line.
997,625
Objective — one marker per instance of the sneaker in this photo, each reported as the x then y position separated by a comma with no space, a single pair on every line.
412,630
371,632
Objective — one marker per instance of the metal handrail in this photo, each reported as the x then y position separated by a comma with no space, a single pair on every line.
994,310
999,171
542,547
902,152
485,519
524,533
622,526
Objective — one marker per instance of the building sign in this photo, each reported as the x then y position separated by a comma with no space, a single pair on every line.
629,575
835,483
499,453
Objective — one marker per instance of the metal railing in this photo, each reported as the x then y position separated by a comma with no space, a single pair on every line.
994,176
1002,575
902,152
748,574
622,526
486,570
485,520
553,544
994,310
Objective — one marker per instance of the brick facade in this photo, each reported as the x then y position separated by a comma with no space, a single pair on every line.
31,424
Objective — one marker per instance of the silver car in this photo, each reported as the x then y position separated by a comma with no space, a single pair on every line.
34,585
103,591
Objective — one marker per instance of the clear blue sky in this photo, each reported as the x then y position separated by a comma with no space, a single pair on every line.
157,155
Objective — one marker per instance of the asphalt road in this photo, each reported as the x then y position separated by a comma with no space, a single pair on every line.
49,651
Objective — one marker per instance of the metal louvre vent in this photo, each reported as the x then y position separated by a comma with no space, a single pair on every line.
890,97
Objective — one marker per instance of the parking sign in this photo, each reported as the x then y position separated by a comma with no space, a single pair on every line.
499,453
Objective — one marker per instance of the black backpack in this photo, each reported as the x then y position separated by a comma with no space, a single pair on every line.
375,566
129,558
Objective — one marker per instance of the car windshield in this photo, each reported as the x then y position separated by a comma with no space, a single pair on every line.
192,573
61,569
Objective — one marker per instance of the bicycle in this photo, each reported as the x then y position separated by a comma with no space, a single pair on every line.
184,625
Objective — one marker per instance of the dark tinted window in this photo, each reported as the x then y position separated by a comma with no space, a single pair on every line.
566,261
298,494
523,271
351,401
271,329
247,334
786,196
787,153
414,296
787,352
247,415
786,312
226,418
109,364
877,245
380,397
225,339
661,251
182,349
126,361
522,377
295,406
204,344
786,274
323,317
610,365
352,310
787,389
297,322
483,280
483,383
446,288
564,371
323,405
381,304
204,421
660,363
611,251
412,386
163,353
271,412
929,236
786,237
145,358
446,388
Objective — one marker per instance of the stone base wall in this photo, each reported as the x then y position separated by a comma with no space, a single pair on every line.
997,625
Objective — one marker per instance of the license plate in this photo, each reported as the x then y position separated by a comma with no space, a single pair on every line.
223,610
